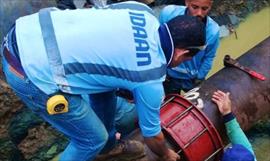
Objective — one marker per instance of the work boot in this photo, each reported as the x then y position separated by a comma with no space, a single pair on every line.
127,150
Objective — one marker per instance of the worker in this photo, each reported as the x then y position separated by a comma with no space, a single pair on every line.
191,73
240,149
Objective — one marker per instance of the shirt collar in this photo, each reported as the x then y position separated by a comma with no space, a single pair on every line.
166,42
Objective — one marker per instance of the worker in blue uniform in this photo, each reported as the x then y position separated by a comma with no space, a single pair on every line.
191,73
240,148
53,57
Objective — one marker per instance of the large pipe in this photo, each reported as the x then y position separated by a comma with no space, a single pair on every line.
250,97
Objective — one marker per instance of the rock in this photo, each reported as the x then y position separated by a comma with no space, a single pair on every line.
20,123
9,151
42,143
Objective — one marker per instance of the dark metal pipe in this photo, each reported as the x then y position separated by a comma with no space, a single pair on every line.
250,96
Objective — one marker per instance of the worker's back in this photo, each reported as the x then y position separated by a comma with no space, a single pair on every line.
104,48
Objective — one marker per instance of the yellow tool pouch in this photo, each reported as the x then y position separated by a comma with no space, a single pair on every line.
57,104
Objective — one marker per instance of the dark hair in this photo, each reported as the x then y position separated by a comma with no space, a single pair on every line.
187,31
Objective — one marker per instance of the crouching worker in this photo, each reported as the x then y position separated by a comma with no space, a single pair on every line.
241,149
123,46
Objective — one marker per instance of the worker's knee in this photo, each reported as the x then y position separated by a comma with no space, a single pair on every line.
85,147
101,140
92,143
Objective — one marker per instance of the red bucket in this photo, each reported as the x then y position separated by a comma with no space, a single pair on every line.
189,130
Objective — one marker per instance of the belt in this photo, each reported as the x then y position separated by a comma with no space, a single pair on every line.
13,59
13,62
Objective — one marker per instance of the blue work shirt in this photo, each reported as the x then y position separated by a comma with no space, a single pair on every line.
236,134
100,50
199,66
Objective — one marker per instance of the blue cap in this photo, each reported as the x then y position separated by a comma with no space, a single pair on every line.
237,153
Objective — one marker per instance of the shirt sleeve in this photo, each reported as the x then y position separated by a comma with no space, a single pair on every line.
210,53
236,134
148,99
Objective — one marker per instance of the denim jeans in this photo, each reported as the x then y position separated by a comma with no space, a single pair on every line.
81,124
126,118
85,130
104,105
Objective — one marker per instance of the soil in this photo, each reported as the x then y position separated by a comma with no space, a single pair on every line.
9,104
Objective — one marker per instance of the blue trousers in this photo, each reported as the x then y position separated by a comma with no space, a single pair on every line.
89,129
126,118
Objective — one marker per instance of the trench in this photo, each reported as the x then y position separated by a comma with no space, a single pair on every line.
250,32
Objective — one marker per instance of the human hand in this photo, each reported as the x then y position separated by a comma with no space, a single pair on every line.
171,156
223,102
